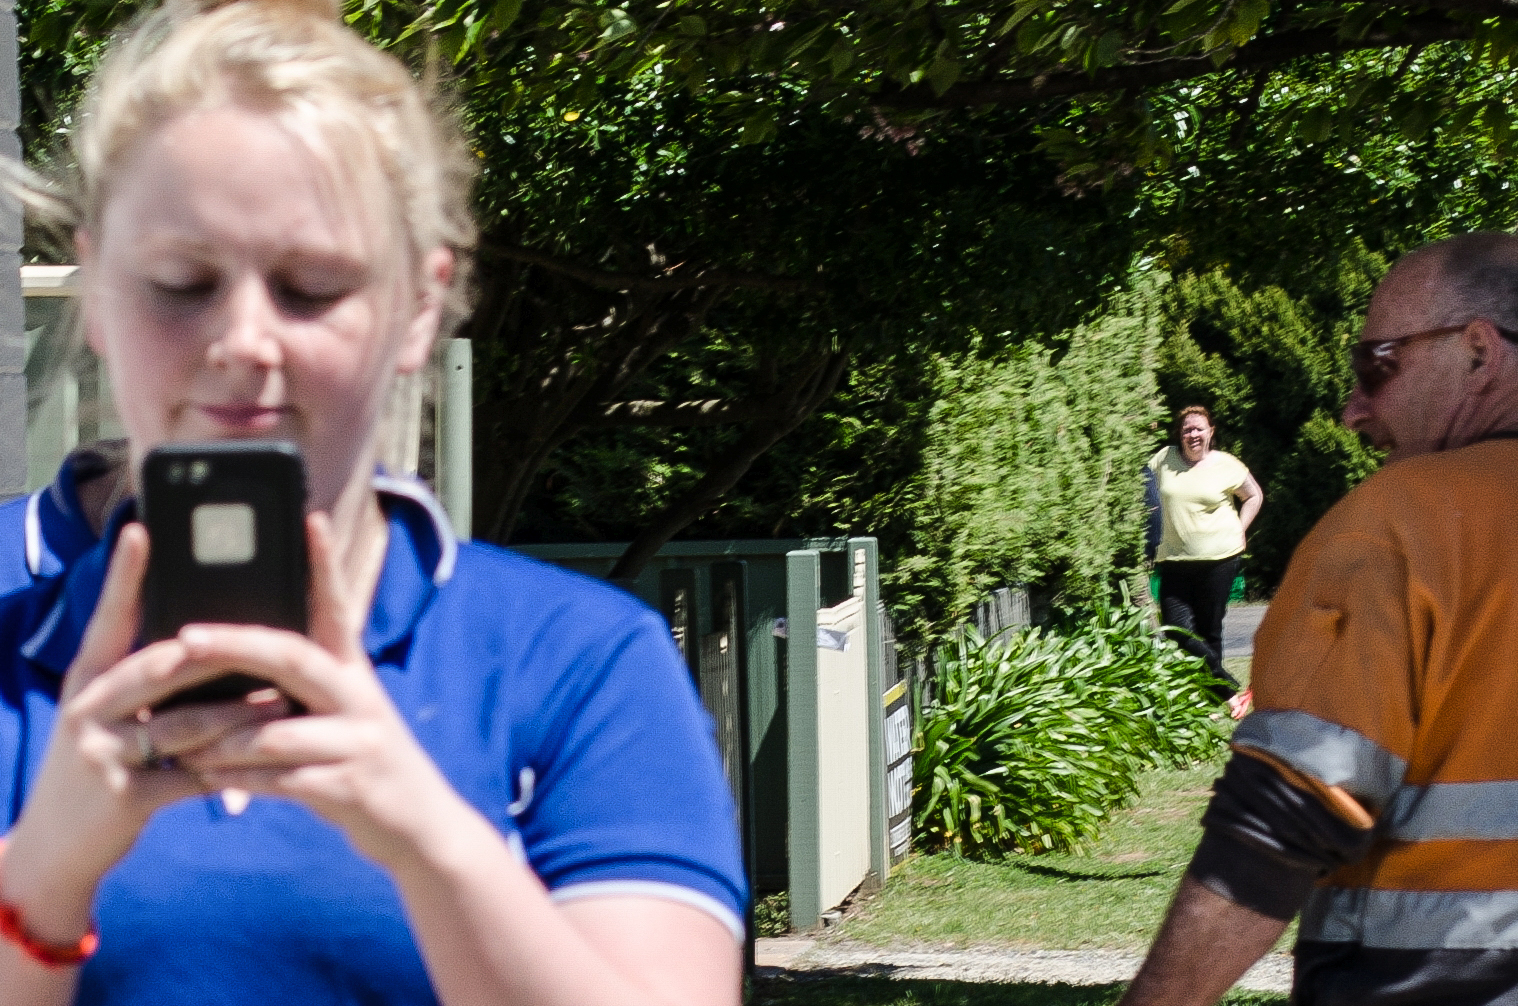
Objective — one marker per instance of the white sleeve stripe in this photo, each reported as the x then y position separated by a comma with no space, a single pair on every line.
653,889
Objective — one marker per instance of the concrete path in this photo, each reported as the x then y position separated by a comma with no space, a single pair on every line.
1238,628
796,956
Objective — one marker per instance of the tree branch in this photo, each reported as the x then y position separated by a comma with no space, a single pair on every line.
1247,109
736,461
1262,53
697,412
1480,8
601,279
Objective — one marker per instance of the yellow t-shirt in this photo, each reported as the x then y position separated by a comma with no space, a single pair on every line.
1196,505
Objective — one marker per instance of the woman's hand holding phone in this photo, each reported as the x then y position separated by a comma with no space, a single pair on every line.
351,758
111,764
94,792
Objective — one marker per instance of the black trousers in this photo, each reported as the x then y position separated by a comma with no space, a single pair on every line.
1193,597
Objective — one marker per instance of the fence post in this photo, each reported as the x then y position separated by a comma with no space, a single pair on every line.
864,554
803,596
454,436
12,310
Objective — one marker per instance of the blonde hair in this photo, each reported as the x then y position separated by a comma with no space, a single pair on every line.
359,109
296,59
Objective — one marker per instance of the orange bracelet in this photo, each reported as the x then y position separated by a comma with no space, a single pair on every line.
49,955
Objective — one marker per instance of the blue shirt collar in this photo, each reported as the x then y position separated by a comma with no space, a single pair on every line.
56,529
419,558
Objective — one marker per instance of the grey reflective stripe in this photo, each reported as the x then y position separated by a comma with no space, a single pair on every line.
1479,810
1413,920
1335,754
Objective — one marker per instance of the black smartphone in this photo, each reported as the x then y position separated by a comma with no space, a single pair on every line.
227,533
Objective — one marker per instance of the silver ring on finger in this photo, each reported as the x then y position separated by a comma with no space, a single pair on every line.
149,756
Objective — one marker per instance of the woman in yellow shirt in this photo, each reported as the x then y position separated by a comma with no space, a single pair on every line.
1203,536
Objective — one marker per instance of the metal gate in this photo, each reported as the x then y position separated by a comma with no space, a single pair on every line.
719,678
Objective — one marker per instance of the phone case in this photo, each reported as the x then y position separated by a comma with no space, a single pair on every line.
226,525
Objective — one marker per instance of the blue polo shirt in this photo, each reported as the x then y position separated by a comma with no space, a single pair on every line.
42,533
557,705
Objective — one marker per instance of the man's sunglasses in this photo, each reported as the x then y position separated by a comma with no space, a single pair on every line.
1375,361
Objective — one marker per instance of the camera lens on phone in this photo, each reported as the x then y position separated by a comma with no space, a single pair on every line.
198,472
176,473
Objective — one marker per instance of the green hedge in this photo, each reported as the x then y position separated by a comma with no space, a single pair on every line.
1027,744
1031,474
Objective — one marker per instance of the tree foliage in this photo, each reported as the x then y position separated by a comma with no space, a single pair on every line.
1029,473
895,249
699,215
1273,369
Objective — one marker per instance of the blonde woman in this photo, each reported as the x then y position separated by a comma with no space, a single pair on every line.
504,790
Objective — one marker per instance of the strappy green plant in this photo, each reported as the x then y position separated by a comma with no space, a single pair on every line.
1027,743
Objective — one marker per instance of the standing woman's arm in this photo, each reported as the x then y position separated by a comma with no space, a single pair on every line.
1250,497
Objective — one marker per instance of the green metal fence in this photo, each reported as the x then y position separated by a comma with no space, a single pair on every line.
745,614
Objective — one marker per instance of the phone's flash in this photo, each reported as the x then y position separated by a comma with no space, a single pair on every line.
222,534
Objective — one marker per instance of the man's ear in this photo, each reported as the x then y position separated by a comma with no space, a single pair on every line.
432,296
1486,348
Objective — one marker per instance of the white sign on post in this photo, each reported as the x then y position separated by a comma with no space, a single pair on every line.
898,759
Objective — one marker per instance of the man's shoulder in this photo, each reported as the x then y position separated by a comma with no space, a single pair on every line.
1468,477
1411,501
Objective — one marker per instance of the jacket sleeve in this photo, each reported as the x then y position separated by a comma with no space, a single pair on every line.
1268,838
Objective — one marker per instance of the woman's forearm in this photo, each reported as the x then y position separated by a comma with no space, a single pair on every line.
24,982
1249,509
52,906
491,935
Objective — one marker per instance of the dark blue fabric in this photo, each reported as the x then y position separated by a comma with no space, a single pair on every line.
510,665
1347,974
64,533
1154,525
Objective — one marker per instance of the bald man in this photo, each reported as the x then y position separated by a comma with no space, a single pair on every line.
1375,788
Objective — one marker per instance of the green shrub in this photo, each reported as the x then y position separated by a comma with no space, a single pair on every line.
1030,473
1027,744
772,914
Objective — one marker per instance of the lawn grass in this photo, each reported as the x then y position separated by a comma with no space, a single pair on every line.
867,991
1111,896
1238,667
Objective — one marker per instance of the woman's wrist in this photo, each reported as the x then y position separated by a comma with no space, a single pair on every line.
15,930
447,842
54,897
54,859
